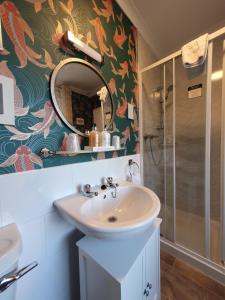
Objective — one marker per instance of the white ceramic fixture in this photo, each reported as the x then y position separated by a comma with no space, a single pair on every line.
10,247
132,211
10,250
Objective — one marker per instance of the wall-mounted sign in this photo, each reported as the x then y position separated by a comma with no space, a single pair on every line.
130,111
195,91
7,115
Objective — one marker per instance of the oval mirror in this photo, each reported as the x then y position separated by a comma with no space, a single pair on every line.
81,96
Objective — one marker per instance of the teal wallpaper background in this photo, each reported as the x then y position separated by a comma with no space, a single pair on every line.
32,32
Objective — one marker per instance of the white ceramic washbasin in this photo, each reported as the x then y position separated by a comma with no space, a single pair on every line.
10,247
132,211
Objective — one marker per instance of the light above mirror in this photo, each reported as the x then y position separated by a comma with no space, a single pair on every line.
81,96
69,37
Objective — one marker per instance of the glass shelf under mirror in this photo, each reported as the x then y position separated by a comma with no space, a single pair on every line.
44,153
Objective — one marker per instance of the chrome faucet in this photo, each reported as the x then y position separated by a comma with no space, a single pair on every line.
109,181
87,191
110,184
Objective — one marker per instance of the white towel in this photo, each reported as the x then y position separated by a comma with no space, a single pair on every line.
195,52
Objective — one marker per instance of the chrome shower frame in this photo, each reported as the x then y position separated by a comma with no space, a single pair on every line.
202,262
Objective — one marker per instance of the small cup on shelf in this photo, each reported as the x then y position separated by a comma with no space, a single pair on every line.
73,143
116,141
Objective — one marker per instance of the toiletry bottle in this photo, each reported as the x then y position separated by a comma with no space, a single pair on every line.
97,135
94,137
105,138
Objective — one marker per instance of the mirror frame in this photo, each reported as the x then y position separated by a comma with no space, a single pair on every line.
52,89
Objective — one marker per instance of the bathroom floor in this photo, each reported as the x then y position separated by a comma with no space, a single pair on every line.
179,281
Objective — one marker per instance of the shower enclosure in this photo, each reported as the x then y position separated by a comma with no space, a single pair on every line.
183,146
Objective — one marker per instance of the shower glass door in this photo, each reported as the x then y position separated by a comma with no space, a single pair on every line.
153,133
158,137
190,158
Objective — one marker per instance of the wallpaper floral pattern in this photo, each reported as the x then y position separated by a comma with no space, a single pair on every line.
32,36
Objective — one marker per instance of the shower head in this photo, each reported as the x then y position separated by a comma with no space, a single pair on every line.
158,93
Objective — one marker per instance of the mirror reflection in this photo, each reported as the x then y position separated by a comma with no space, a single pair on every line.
81,96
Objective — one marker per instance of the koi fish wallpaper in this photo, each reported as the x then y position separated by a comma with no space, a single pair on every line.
32,33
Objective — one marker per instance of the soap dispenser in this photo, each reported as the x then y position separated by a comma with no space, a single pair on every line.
105,138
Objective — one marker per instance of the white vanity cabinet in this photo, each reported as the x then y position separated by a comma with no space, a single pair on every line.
127,269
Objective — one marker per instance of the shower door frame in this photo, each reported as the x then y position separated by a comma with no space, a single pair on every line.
163,61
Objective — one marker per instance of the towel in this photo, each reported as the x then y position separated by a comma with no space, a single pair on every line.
195,53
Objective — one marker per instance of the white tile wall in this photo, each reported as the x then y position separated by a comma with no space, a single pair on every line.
26,198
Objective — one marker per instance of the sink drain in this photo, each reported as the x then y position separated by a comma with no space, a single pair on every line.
112,219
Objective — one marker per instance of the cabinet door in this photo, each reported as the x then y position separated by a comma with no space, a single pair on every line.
152,266
132,286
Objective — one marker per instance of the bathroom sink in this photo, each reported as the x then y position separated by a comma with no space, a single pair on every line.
10,247
132,211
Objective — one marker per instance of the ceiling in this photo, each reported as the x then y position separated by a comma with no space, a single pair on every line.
80,78
168,24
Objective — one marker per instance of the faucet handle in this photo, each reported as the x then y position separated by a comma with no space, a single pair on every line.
87,188
109,180
87,191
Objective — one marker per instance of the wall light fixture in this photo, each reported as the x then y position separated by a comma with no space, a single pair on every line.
70,38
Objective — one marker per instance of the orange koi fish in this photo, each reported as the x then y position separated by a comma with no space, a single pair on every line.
16,28
100,34
89,40
18,97
121,109
49,117
38,5
23,160
57,36
120,37
112,86
106,12
68,8
121,72
126,136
